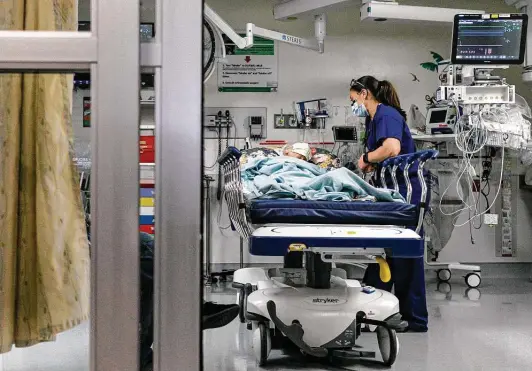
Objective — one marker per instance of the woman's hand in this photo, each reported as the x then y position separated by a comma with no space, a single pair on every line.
362,165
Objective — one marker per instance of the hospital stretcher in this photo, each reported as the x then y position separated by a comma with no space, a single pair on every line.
310,301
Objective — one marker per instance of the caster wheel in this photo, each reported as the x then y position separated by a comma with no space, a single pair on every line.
262,343
388,345
473,280
473,294
214,280
241,314
444,275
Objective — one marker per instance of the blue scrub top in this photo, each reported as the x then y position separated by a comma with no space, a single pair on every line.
388,123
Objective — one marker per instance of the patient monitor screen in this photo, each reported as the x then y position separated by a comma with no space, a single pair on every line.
345,134
438,116
489,38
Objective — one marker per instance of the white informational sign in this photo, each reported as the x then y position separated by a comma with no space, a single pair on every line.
249,70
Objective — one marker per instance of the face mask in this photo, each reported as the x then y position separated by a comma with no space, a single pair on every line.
359,110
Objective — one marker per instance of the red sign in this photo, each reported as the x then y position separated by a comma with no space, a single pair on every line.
150,229
147,149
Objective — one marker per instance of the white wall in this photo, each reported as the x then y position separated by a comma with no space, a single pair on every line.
352,50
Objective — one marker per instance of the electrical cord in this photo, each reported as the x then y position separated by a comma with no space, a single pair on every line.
219,185
471,138
496,195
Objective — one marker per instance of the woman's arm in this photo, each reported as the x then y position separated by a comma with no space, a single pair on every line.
391,147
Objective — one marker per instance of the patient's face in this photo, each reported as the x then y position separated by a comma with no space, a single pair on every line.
296,155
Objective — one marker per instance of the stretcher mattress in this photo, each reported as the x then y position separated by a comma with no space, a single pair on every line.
329,212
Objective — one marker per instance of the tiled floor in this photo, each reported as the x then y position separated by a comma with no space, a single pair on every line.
493,333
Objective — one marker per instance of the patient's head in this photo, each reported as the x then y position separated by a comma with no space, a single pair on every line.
298,150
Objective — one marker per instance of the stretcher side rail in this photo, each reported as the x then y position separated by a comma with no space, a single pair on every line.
234,195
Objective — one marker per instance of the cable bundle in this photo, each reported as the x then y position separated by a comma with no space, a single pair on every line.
472,136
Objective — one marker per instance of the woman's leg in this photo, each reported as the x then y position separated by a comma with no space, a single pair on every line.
409,279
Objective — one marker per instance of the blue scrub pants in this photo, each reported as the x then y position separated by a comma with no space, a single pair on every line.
408,277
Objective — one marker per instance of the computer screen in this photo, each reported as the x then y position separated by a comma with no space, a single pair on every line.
147,31
489,39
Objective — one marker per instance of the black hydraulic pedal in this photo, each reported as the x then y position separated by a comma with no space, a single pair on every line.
392,323
295,333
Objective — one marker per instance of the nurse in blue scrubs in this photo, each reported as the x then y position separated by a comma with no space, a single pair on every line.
387,135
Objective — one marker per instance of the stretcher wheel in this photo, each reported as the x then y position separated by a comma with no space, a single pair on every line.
262,343
388,345
473,280
444,275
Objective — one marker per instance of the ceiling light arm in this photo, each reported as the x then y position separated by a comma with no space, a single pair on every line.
252,30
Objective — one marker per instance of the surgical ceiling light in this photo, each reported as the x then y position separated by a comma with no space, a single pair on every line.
392,11
291,9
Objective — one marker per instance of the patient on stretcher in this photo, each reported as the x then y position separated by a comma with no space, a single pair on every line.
292,177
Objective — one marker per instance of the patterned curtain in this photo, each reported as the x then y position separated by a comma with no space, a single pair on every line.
44,255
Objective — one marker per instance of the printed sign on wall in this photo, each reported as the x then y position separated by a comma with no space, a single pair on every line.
249,70
86,112
147,149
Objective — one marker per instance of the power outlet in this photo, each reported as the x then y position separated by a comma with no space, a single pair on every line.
491,219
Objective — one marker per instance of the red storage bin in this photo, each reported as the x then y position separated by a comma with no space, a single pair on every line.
150,229
147,149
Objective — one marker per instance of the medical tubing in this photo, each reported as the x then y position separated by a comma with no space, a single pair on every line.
496,195
470,139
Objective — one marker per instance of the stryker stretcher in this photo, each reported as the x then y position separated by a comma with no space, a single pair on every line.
310,302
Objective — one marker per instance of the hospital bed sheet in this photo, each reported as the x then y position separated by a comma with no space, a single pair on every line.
290,178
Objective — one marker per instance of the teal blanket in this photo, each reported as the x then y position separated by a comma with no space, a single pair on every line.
287,177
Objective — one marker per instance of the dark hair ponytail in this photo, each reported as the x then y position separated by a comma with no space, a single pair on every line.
383,91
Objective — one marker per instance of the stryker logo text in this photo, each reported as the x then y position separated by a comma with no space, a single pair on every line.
325,301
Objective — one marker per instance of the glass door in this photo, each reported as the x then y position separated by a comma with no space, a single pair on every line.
111,51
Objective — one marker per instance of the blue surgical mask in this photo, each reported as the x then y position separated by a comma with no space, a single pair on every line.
359,110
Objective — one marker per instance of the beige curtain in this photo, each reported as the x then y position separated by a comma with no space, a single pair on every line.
44,256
